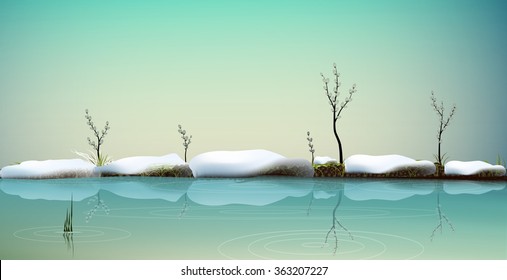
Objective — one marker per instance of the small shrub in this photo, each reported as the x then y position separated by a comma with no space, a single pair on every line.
98,158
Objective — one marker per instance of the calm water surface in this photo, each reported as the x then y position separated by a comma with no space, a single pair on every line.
258,218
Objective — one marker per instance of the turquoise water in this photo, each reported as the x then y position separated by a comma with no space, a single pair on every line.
258,218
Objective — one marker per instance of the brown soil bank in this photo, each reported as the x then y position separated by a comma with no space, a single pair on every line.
337,170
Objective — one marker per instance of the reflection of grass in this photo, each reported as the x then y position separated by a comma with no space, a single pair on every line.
67,225
69,241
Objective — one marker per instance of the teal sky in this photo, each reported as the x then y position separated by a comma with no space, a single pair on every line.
246,75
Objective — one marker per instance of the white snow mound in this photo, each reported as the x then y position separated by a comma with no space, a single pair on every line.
324,160
456,167
386,164
248,163
60,168
139,164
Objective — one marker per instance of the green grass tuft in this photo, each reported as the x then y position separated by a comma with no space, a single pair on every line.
91,157
67,225
500,160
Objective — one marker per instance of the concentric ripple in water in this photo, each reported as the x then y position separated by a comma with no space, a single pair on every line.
311,244
81,234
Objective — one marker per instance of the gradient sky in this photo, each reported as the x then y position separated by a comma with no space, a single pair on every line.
246,75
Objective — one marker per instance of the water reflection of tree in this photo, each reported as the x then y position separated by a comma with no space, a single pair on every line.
335,223
185,206
98,203
330,190
441,215
312,198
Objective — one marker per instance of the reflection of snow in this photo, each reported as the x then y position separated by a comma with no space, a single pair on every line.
34,169
386,164
148,188
468,187
250,163
255,191
386,190
472,168
250,191
139,164
62,190
136,188
323,194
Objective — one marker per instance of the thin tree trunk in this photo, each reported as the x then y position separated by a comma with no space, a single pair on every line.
439,156
338,140
440,141
98,150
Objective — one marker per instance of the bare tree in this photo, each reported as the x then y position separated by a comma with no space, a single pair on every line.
336,222
444,122
99,136
186,139
337,108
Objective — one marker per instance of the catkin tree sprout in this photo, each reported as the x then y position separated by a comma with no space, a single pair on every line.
186,139
310,145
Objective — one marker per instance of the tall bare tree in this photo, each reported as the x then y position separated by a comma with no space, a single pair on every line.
444,122
337,107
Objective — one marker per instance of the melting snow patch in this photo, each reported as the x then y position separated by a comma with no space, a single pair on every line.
61,168
473,168
139,164
386,164
249,163
324,160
